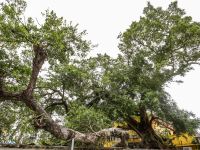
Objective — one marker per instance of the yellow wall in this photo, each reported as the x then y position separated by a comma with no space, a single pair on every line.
181,140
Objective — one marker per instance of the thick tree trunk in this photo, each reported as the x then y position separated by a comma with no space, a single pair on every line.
148,136
145,131
150,139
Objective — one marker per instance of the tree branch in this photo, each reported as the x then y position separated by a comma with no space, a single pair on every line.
62,103
161,122
9,96
44,120
38,61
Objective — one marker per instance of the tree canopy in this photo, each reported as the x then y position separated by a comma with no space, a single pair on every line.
47,80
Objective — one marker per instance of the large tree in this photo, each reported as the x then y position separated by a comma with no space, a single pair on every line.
162,45
44,74
25,46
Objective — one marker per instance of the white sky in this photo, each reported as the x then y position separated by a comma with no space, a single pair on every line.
105,19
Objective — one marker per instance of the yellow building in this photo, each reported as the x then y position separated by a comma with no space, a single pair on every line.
187,142
183,141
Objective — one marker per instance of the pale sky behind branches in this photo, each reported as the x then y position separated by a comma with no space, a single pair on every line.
105,19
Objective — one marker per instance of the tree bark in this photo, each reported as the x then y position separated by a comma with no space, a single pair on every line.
150,139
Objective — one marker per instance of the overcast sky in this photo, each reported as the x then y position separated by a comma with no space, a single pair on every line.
105,19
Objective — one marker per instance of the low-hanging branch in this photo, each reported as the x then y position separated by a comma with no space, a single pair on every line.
44,120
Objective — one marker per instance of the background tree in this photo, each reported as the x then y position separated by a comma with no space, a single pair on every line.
163,44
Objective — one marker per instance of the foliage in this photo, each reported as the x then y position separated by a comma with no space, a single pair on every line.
163,44
15,126
85,119
65,47
90,93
